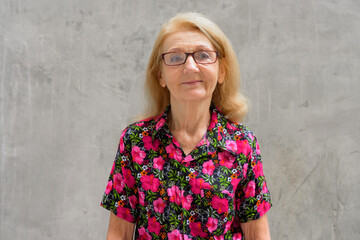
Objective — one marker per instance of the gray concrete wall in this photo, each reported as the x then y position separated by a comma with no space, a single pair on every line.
71,76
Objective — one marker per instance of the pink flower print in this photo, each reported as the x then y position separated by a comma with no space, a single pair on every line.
119,182
258,169
235,182
244,171
237,236
230,194
142,198
138,154
159,163
219,237
149,144
173,152
175,235
211,224
213,120
121,144
243,147
196,230
249,190
108,187
198,184
263,207
133,201
264,188
228,226
237,204
143,234
175,194
140,124
257,148
230,127
176,143
159,205
219,136
156,145
231,145
221,204
128,177
208,167
112,169
124,213
236,222
154,226
188,158
251,136
160,123
186,202
226,159
149,182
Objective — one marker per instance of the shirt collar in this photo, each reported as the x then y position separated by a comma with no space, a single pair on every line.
160,124
216,135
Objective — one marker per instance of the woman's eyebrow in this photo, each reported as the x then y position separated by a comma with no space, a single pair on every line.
176,49
196,48
204,47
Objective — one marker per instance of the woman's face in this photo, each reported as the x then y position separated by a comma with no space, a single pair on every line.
190,81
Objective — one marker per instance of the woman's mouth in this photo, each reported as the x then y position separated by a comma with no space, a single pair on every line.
192,82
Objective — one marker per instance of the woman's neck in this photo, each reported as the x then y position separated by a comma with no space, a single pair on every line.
192,118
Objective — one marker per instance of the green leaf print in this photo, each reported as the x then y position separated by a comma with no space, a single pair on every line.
152,154
150,196
135,138
224,181
137,167
218,231
159,174
173,219
161,218
209,179
252,200
242,158
173,175
261,180
226,170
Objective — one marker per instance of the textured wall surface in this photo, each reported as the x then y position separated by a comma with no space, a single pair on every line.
71,75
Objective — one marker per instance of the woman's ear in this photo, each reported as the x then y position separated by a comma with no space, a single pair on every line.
222,72
162,81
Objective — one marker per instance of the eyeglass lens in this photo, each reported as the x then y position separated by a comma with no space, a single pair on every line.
202,57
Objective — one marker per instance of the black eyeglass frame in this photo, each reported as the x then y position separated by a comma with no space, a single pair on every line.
192,54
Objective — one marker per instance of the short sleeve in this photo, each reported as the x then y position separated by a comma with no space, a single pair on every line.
121,193
252,195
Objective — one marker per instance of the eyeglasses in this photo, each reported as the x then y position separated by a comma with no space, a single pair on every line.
201,57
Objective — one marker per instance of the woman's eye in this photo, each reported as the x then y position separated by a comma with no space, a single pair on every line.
176,58
203,56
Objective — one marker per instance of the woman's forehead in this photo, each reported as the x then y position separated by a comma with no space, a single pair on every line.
186,41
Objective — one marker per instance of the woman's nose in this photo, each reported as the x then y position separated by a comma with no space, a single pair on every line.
191,65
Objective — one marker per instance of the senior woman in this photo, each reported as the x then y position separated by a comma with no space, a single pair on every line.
190,170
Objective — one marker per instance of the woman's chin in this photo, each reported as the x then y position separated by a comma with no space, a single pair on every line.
193,98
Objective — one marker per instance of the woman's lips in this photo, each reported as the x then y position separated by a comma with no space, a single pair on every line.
192,82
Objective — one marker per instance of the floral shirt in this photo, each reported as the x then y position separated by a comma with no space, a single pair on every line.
202,195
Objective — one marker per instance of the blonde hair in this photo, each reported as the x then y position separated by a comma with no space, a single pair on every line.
226,95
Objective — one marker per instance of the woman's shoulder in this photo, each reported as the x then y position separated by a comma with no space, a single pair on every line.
231,127
143,127
237,128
